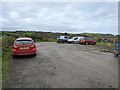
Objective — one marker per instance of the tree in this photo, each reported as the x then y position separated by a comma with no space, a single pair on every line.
65,33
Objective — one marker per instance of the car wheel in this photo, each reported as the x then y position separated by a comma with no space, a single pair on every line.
34,55
58,42
14,56
94,43
116,55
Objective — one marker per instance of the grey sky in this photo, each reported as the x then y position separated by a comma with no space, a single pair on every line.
78,17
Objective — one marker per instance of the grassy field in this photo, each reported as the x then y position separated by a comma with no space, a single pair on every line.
0,67
28,33
6,53
105,45
5,66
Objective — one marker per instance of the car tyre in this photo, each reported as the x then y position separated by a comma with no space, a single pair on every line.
34,55
116,55
14,56
93,43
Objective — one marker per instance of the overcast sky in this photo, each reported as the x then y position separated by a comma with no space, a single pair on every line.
68,17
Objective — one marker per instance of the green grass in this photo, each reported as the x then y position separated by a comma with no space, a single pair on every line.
0,68
28,33
6,53
104,45
0,62
5,66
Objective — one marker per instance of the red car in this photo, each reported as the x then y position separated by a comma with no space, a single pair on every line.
87,41
24,46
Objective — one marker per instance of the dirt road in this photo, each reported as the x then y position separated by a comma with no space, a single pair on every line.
64,66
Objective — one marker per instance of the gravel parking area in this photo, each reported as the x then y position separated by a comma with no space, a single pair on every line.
64,66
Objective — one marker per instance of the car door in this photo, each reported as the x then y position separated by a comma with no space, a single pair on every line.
76,40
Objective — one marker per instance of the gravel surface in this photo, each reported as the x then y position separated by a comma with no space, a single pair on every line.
64,66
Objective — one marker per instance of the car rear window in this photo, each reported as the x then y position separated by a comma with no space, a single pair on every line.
23,42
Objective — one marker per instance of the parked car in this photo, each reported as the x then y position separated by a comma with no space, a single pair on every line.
62,39
75,39
23,46
71,40
87,41
117,48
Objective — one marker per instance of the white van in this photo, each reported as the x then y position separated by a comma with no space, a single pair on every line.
75,39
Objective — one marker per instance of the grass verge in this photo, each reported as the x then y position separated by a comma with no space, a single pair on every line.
0,67
5,65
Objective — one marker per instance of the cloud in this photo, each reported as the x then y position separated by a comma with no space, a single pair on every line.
3,20
79,17
25,20
14,14
59,0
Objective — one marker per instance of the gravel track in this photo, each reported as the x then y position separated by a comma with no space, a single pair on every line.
64,66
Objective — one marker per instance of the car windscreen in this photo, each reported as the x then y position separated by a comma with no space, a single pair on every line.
82,39
23,42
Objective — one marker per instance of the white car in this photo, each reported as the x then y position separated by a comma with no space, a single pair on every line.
71,40
75,39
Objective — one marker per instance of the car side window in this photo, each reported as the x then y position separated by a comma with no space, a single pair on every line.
66,37
75,38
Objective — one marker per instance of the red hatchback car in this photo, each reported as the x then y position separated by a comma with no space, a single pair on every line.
87,41
24,46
